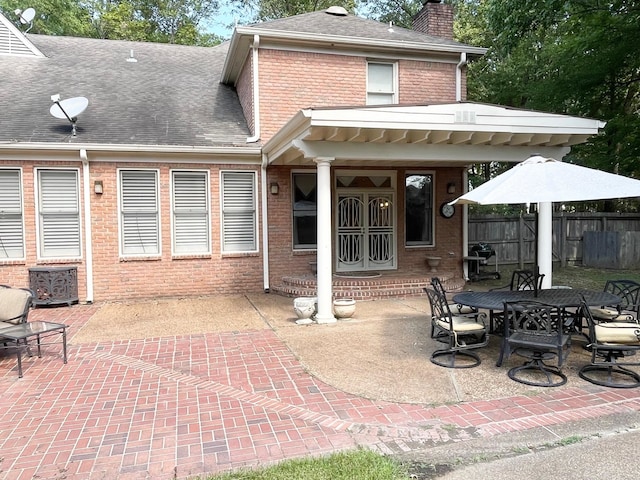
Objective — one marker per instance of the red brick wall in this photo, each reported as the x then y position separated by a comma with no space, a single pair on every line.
284,261
117,278
290,81
244,87
435,19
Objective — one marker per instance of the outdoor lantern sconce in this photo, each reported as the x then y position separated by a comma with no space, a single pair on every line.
274,188
98,187
451,187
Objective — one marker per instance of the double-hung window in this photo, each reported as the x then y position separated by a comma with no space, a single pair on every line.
419,217
190,212
239,222
139,212
58,214
381,83
11,222
305,220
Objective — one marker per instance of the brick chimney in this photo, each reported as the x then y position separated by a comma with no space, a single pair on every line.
435,18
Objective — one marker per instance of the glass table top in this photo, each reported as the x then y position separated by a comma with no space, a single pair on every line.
25,330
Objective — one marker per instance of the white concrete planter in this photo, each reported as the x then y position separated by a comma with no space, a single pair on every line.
305,308
344,307
433,263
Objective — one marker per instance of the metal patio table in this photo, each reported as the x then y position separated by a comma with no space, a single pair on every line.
21,333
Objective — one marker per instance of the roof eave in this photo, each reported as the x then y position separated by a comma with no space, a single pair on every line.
242,39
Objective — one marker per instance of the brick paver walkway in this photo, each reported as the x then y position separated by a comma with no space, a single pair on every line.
173,407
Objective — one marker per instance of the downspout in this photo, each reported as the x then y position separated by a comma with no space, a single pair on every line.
461,63
265,224
86,180
256,90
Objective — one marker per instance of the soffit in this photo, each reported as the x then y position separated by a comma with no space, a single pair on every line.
459,133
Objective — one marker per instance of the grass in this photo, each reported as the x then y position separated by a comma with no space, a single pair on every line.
574,276
337,466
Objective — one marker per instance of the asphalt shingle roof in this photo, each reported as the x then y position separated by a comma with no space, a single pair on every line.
323,23
170,96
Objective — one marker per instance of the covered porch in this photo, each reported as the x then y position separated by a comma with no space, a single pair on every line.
404,139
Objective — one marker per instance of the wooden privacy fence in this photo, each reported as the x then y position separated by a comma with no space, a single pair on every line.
602,240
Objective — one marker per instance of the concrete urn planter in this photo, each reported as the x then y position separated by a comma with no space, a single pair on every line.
305,308
344,307
433,263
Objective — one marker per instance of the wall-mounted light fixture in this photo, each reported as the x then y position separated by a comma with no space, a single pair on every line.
451,187
274,188
98,187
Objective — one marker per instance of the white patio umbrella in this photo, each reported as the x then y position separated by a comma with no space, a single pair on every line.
543,181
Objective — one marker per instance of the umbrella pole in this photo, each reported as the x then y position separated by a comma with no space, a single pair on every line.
544,230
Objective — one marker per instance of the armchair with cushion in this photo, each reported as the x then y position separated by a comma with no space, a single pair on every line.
15,304
520,280
613,346
537,332
627,310
455,308
460,333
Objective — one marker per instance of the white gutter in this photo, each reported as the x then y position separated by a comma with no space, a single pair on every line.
265,224
256,90
86,181
461,63
131,148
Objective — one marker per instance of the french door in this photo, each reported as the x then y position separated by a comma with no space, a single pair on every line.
365,231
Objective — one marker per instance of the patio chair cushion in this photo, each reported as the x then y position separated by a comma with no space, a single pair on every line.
5,325
13,304
618,333
610,314
461,324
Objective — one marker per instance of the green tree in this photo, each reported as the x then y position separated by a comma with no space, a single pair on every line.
53,17
263,10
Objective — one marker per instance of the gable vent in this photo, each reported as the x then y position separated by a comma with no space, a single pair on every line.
13,42
465,116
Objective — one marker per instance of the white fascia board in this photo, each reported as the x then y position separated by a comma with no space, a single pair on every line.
459,154
425,118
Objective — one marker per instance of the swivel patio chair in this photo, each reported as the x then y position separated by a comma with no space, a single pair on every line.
627,310
520,280
613,346
455,308
535,331
460,333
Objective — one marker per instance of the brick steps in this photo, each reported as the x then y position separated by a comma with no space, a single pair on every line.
368,288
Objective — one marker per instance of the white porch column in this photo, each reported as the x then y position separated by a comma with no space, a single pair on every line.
324,240
545,242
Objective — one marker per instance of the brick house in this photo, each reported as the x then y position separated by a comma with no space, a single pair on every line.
199,170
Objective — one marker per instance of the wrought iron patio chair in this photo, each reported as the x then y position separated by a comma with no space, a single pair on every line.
613,346
460,333
455,308
15,304
537,332
520,280
629,307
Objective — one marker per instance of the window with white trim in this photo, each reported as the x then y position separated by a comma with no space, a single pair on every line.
381,83
58,214
239,222
190,212
11,220
305,219
139,212
419,217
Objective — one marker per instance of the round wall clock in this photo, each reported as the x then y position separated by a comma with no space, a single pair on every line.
447,210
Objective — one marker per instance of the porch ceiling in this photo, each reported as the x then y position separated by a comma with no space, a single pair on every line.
434,135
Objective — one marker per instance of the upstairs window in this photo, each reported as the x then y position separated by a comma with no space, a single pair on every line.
305,218
11,223
190,212
239,222
381,83
58,214
139,212
419,217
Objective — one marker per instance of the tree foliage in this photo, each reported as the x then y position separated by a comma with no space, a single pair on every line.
252,11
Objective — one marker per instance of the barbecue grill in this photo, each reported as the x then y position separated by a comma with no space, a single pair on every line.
479,255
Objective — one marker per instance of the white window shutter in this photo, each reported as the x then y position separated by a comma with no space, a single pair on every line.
190,213
59,214
11,229
139,209
238,212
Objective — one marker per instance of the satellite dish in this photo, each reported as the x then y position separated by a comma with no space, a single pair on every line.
69,109
27,16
